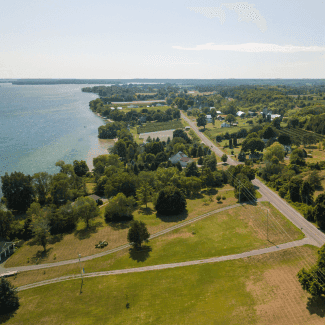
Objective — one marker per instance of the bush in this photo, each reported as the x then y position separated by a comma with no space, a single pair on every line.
100,202
120,208
170,201
218,198
223,197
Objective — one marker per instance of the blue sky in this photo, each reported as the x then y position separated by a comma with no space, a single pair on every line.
165,39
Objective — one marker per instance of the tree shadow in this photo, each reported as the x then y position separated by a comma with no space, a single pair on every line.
173,218
195,196
146,211
119,225
87,232
140,254
5,318
41,255
56,238
316,305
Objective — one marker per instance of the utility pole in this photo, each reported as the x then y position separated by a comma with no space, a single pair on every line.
82,279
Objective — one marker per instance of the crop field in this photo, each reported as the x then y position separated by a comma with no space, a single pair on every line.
160,126
256,290
162,135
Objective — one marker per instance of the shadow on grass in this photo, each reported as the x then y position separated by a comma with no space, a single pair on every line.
41,255
140,254
146,211
5,318
120,225
195,196
87,232
316,305
173,218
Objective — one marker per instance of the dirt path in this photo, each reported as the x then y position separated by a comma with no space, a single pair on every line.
111,251
174,265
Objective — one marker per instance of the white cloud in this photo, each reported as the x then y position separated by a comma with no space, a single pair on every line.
253,47
245,11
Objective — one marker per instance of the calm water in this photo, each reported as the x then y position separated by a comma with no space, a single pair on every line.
40,125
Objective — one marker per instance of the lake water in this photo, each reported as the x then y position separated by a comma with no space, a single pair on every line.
42,124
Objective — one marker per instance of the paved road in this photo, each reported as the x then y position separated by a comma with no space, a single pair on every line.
173,265
91,257
295,217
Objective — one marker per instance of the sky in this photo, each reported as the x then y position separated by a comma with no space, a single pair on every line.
196,39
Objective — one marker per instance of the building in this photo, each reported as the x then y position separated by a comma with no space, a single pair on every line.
219,112
95,197
187,128
211,108
240,113
112,108
208,118
6,248
225,125
180,157
120,108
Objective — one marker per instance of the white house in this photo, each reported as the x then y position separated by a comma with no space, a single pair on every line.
273,116
120,108
211,108
180,157
208,118
225,125
240,113
112,108
219,112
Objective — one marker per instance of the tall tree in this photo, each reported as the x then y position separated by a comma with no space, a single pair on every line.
42,185
138,233
201,121
80,168
144,194
87,209
9,300
18,191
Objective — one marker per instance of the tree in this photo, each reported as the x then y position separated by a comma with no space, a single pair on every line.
268,132
275,150
224,158
60,189
41,185
307,192
138,233
192,170
179,133
252,144
210,161
144,194
41,225
80,168
230,143
231,118
170,201
9,301
86,208
120,208
314,179
18,191
6,223
312,280
201,121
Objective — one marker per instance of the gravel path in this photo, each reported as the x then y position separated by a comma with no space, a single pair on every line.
174,265
111,251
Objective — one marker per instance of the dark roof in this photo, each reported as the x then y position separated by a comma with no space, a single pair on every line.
185,159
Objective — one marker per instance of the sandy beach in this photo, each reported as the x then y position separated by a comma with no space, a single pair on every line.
99,148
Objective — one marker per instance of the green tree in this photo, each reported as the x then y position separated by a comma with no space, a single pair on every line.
144,194
224,158
268,132
231,118
18,191
6,223
170,201
41,185
86,209
9,300
210,161
138,233
41,225
80,168
192,170
253,144
201,121
60,189
120,208
275,150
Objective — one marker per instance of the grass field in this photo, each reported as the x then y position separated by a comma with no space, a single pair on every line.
160,126
83,240
255,290
226,233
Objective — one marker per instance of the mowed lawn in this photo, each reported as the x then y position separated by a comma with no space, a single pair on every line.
255,290
82,241
229,232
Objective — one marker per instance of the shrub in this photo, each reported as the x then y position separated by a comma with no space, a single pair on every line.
9,301
218,198
100,202
120,208
223,197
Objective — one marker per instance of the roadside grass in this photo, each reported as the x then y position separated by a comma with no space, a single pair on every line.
82,241
255,290
229,232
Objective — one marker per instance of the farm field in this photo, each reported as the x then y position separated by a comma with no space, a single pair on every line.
82,241
162,135
160,126
255,290
228,232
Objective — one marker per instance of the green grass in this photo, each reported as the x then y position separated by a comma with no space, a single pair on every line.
218,293
160,126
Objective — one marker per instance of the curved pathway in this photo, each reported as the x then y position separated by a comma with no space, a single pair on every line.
111,251
173,265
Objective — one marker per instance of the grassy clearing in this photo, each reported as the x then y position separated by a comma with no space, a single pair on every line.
230,232
160,126
83,240
256,290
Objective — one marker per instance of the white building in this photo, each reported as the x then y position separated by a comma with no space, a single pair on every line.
225,125
240,113
120,108
208,118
